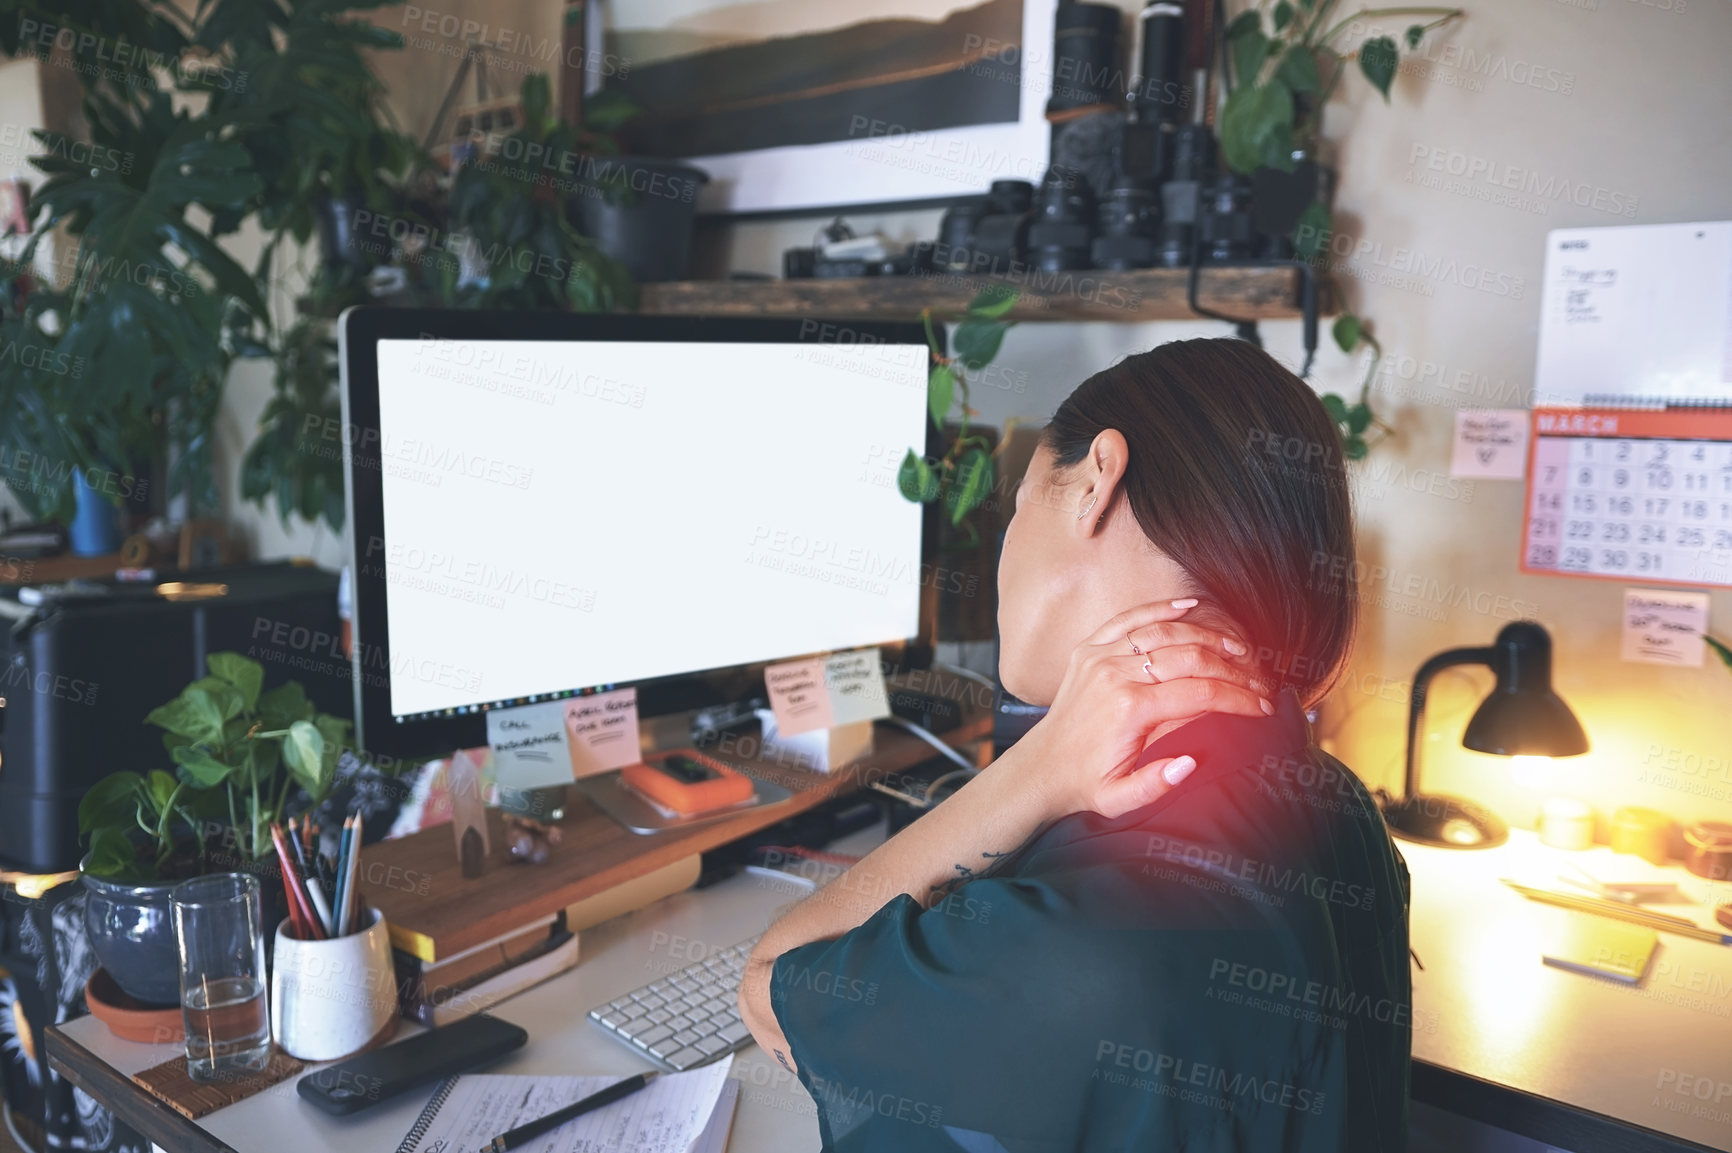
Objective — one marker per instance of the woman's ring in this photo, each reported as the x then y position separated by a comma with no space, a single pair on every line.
1150,669
1133,644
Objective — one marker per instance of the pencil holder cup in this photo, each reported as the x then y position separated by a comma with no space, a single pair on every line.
336,997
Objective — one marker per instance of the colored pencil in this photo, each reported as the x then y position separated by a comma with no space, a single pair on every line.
355,878
347,870
1619,911
316,893
301,914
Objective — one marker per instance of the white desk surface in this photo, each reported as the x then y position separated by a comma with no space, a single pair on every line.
1484,1006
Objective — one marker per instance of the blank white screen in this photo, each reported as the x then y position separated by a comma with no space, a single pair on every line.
560,515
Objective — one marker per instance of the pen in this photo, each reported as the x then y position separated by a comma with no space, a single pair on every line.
1619,911
524,1134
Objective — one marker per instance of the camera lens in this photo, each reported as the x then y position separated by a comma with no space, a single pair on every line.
1129,223
1063,224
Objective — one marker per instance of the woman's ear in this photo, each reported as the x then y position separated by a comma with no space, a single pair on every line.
1101,476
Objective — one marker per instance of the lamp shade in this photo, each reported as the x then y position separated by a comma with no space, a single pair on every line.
1523,717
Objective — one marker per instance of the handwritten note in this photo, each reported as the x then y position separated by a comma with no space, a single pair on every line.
601,732
1662,627
856,684
799,697
529,746
666,1116
824,693
1490,443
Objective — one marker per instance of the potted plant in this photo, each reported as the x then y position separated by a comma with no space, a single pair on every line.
1285,62
243,759
962,477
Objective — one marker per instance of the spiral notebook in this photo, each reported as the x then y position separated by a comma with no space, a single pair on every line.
688,1112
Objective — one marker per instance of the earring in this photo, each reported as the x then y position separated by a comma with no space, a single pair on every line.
1085,511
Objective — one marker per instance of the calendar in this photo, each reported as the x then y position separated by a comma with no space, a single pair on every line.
1630,495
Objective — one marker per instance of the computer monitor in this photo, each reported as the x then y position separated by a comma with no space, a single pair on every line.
547,505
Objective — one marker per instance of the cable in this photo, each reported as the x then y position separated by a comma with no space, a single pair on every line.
960,671
935,742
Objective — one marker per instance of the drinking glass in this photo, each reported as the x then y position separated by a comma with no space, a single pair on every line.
217,927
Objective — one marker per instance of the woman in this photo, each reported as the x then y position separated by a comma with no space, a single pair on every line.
1162,920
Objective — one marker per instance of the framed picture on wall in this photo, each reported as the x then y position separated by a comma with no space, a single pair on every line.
811,105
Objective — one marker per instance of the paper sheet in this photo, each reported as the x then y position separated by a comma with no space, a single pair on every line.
666,1116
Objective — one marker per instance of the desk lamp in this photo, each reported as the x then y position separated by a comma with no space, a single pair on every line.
1521,718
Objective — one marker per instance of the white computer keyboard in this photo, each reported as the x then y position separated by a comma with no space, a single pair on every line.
687,1018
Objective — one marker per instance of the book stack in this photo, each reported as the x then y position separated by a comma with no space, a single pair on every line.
437,993
436,990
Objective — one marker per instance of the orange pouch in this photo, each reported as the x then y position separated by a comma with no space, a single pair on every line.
687,782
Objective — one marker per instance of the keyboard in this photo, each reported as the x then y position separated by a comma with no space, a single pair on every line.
686,1019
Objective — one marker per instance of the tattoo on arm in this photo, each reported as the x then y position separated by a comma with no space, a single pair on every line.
965,874
783,1058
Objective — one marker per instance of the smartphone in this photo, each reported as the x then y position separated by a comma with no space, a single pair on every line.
379,1074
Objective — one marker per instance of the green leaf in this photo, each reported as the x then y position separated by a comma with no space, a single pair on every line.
1250,49
993,301
1719,647
1257,127
973,482
1354,447
161,786
225,696
1346,330
1283,15
109,801
1335,407
200,767
1359,418
916,480
978,341
243,673
284,705
1298,70
1311,234
1377,59
304,754
940,390
112,854
1244,24
193,714
1414,35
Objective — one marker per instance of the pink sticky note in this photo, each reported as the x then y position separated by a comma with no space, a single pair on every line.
798,696
601,732
1490,443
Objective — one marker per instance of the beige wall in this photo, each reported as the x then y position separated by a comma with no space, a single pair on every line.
1623,96
1626,96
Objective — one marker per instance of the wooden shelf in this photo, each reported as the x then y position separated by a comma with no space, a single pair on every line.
1250,292
416,882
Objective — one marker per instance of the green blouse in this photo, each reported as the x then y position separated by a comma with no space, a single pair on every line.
1224,969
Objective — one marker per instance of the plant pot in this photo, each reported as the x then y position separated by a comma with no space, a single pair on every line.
95,529
132,933
132,929
641,212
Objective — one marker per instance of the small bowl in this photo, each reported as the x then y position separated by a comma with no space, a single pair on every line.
128,1019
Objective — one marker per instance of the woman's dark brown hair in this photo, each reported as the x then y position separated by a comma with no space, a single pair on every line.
1236,473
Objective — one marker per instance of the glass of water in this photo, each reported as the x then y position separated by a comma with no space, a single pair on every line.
222,975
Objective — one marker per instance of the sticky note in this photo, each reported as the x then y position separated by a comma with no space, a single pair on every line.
799,696
823,693
601,732
1664,627
529,745
1491,443
856,683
